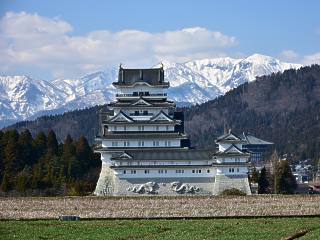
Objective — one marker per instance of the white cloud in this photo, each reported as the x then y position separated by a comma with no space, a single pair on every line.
294,57
289,56
311,59
36,43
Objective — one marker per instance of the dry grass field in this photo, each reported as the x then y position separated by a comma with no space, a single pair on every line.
158,207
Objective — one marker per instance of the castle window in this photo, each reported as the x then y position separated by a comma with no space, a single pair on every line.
141,143
145,112
124,128
115,128
193,171
124,171
179,171
167,128
237,169
160,171
126,143
146,171
140,128
114,144
208,170
156,143
133,171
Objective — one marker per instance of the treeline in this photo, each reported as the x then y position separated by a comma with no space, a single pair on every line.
43,166
276,178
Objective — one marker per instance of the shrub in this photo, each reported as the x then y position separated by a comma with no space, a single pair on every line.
232,192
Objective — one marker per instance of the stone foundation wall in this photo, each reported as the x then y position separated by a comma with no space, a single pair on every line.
164,186
106,182
223,182
110,185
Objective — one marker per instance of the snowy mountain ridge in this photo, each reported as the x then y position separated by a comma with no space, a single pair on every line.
193,82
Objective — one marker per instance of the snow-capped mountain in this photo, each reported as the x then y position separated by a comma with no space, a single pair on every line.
194,82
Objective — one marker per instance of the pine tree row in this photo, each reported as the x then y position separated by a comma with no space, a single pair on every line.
42,166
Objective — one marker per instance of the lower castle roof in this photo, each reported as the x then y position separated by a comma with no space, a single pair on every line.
142,135
161,154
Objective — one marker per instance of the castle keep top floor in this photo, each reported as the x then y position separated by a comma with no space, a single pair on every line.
153,77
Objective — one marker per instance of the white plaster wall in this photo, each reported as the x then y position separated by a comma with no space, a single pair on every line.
140,88
147,143
225,170
224,146
231,159
146,128
171,173
159,163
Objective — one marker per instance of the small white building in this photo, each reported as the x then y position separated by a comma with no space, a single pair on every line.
144,149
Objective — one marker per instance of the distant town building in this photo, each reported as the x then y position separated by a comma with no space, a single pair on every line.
144,149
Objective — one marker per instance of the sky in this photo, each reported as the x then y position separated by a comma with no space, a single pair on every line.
67,39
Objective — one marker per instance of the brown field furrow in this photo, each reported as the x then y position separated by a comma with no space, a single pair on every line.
158,207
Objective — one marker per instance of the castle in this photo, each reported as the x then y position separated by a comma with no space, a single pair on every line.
145,151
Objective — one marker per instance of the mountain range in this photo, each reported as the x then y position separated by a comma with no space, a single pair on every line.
193,82
283,108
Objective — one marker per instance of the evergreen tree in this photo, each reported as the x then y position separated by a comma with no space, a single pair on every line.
84,154
26,149
263,183
5,185
23,180
40,145
54,167
52,143
285,182
37,176
254,175
11,150
68,157
1,156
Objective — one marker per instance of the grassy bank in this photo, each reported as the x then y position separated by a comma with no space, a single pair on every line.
259,228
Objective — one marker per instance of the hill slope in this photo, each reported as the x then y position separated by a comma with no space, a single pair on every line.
283,108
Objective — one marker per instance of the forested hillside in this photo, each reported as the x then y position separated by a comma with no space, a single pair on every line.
283,108
76,123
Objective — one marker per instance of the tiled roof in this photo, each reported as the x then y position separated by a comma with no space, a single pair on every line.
152,76
139,135
254,141
181,154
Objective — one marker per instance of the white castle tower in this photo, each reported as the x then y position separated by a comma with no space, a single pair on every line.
144,149
232,163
